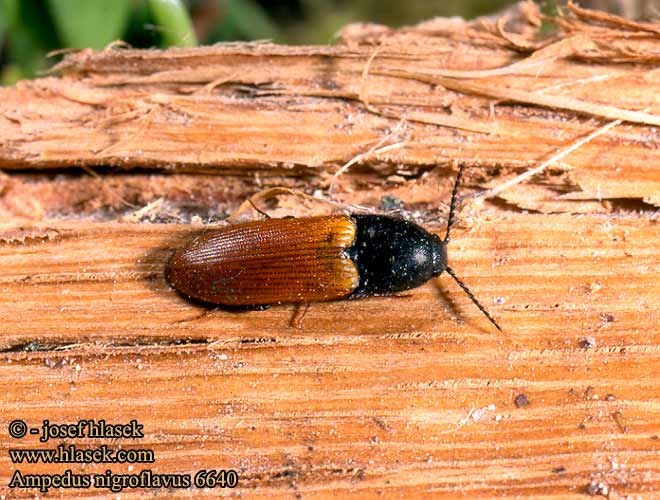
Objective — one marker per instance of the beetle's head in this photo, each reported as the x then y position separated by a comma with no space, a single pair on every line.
439,256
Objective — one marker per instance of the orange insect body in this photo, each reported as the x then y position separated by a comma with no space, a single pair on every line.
269,262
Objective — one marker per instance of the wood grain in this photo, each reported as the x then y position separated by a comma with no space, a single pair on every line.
416,396
421,403
246,108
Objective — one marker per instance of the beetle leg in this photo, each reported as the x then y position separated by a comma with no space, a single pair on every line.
298,315
199,316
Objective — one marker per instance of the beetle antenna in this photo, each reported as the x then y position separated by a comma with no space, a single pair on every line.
472,297
452,205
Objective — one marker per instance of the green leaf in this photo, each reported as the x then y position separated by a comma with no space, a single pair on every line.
29,37
90,23
10,74
174,22
249,19
8,11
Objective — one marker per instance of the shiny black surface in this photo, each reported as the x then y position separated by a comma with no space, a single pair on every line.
393,255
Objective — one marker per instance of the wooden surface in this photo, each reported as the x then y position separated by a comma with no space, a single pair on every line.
273,110
415,396
416,403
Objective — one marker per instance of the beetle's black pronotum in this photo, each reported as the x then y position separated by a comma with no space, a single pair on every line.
312,259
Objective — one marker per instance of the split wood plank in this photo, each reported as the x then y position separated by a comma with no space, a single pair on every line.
420,403
287,111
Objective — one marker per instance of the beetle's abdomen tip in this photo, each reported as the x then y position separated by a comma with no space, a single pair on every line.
175,270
